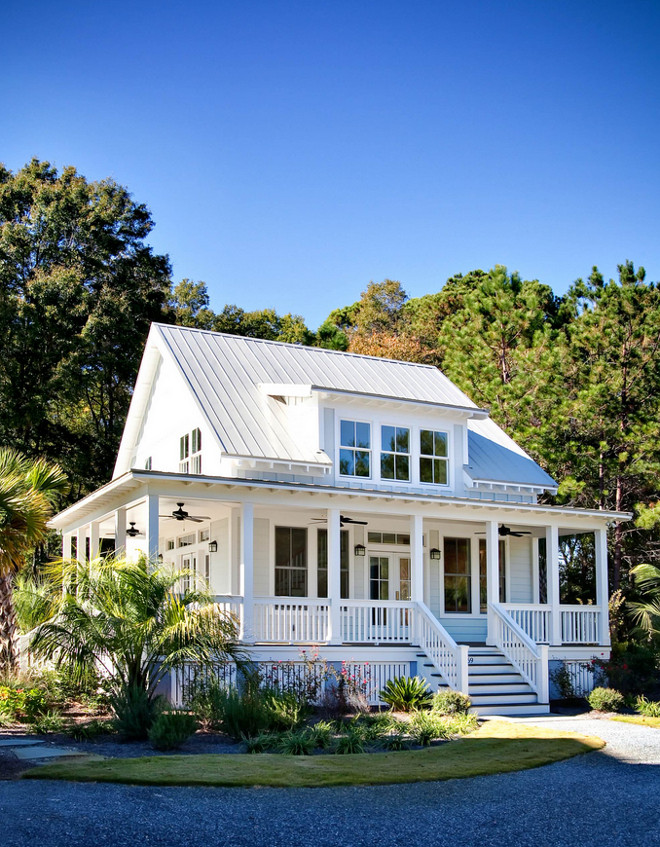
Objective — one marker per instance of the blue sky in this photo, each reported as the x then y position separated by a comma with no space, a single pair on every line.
292,151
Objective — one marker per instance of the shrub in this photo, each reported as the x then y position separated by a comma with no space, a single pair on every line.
563,682
49,722
648,708
22,704
286,710
323,734
405,693
171,729
262,743
90,729
425,728
450,703
352,742
296,743
395,741
606,700
135,712
632,669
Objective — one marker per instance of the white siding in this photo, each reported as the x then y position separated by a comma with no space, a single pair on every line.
221,565
520,570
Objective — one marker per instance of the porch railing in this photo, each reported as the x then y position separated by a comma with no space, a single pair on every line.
580,624
377,621
279,619
534,619
448,657
529,659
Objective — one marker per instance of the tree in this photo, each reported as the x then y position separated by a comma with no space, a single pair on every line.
190,305
28,489
78,290
645,613
131,620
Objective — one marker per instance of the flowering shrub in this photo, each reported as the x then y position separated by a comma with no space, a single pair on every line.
632,669
22,704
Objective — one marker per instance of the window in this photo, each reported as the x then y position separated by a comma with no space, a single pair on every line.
207,567
379,578
186,540
458,582
483,581
204,534
147,464
433,459
388,538
355,448
290,561
190,452
323,563
170,544
395,453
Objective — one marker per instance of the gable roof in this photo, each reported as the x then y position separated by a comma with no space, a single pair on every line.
233,379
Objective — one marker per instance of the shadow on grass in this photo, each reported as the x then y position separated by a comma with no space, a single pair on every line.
497,747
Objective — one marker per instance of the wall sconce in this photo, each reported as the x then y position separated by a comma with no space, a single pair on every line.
435,553
360,550
213,546
160,557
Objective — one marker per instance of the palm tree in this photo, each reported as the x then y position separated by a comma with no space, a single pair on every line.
646,613
28,488
130,620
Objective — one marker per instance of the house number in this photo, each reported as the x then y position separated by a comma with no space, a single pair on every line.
470,660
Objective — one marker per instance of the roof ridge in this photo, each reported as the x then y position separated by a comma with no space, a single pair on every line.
326,350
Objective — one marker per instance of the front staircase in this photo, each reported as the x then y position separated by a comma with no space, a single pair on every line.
494,685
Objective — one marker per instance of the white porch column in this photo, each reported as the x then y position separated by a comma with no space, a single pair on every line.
602,585
151,530
81,545
66,546
94,546
492,574
246,571
417,558
334,575
120,531
552,568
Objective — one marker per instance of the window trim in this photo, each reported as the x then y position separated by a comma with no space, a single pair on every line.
394,453
433,457
341,447
290,567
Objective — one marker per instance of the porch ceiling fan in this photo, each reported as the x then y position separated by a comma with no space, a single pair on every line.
181,515
506,530
343,519
132,530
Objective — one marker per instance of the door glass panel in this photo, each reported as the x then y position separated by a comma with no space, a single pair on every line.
458,581
379,577
404,584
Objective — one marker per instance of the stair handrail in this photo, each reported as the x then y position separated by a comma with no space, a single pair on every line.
449,658
528,658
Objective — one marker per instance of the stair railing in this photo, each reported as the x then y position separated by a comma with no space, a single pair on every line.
527,657
449,658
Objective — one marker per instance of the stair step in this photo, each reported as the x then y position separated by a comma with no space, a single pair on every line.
476,661
492,699
513,710
486,677
504,668
498,688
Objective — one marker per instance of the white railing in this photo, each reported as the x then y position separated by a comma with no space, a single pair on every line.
371,677
580,624
534,619
230,604
377,621
529,659
279,619
448,657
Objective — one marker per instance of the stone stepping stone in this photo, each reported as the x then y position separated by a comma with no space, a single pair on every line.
19,742
28,753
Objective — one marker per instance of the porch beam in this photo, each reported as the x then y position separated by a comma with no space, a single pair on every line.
246,571
552,566
602,586
334,574
492,574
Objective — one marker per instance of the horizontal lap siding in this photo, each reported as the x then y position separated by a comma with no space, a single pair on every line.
220,577
466,629
520,570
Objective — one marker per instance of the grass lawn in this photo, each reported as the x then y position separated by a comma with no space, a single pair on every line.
496,747
640,719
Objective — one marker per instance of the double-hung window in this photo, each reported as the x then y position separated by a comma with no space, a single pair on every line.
433,457
395,453
290,561
355,448
190,452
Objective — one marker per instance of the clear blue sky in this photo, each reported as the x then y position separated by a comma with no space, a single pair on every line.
292,151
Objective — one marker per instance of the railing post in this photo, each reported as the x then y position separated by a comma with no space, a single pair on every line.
543,692
463,669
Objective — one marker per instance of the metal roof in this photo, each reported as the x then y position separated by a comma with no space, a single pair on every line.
494,457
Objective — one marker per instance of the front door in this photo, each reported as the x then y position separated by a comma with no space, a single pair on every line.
389,579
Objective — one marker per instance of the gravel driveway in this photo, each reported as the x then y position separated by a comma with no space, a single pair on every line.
601,799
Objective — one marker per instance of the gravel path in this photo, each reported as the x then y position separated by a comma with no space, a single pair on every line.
602,799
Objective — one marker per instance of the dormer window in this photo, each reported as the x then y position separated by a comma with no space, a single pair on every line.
355,449
395,453
433,459
190,452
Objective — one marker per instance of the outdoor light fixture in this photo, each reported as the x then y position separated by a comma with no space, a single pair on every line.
213,546
435,553
360,550
132,531
160,557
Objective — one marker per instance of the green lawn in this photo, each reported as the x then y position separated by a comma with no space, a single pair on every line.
497,747
639,719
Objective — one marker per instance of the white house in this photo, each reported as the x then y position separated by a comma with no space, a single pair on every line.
360,504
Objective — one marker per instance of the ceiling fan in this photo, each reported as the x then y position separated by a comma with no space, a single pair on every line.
343,519
181,515
132,530
506,530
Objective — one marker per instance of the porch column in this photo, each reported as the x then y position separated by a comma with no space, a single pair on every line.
120,530
552,567
492,574
151,530
602,585
417,558
94,545
246,571
66,546
81,545
334,575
